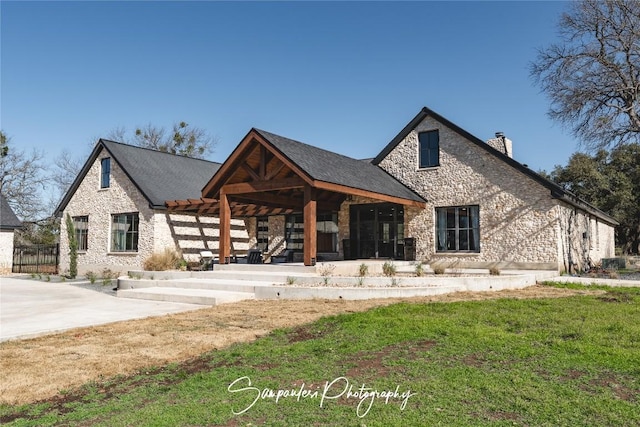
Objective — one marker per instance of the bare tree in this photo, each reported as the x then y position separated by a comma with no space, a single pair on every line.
593,76
183,139
65,169
21,180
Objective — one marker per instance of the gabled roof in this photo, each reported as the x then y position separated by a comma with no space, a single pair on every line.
556,190
8,219
159,176
327,166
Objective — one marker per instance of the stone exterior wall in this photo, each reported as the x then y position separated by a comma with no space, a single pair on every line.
6,251
582,239
517,215
277,242
99,204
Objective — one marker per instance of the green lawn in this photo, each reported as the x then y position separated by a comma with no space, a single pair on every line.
554,362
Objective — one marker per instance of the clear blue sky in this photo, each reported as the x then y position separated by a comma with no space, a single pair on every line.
342,76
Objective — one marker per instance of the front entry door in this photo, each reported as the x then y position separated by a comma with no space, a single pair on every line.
377,231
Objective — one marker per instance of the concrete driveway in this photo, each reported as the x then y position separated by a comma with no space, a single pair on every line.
30,308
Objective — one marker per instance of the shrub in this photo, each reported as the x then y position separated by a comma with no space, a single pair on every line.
438,269
91,276
291,280
325,271
419,270
73,248
161,261
363,270
494,271
389,269
360,281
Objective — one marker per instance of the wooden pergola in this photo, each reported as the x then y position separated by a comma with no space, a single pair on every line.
258,179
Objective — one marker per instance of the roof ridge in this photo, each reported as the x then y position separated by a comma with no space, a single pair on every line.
153,150
305,144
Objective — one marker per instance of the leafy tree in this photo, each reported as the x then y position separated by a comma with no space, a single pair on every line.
593,76
73,248
42,232
4,147
610,181
21,178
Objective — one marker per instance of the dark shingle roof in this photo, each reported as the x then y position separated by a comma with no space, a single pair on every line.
162,176
8,219
327,166
159,176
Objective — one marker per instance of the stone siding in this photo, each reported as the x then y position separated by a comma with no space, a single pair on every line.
158,229
582,239
277,242
517,216
99,204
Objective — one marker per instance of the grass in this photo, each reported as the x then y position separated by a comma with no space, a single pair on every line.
556,362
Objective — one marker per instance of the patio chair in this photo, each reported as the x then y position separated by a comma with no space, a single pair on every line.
206,260
254,256
286,256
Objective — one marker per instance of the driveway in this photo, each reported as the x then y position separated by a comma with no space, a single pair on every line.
29,308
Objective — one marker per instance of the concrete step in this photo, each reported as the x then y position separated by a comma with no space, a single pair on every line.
273,276
185,295
212,284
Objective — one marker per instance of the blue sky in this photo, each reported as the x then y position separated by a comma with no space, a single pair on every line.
342,76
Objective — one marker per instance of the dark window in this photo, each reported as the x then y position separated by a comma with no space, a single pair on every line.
105,173
458,229
294,233
262,233
81,225
124,232
429,149
327,232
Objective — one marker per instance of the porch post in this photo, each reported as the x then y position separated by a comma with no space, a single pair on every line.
225,229
310,237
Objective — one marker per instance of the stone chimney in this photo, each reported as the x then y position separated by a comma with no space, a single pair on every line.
502,144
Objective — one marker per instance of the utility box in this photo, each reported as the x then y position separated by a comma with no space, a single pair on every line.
614,263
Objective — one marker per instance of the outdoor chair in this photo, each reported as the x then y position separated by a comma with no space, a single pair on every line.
206,260
286,256
254,256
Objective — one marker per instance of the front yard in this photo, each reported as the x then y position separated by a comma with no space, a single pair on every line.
484,361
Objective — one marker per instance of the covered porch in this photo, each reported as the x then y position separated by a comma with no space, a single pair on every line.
268,175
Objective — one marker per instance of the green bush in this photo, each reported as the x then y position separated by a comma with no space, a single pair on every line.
363,270
389,269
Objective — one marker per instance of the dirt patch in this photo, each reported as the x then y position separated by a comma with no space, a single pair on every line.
373,364
613,384
40,368
613,296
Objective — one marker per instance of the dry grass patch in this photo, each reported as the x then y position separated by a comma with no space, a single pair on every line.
39,368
